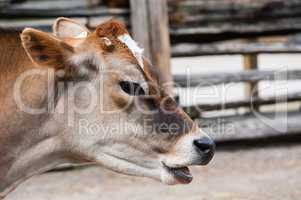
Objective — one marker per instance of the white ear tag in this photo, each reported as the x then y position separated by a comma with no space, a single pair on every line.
132,45
83,34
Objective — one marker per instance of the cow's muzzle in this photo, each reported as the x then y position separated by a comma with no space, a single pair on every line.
206,148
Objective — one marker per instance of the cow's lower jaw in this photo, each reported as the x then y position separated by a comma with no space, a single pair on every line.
181,175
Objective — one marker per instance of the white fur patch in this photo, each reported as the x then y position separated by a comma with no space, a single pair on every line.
83,34
133,46
79,59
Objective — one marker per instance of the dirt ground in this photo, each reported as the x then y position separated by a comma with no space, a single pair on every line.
256,174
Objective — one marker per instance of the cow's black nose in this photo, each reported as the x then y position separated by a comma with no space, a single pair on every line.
206,147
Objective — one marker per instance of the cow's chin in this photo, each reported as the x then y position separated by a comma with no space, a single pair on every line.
173,176
158,170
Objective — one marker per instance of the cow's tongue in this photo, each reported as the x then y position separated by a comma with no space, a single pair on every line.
182,174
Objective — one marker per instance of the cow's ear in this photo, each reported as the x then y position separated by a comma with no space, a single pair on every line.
68,28
45,49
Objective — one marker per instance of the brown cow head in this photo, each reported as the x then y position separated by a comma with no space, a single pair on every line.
121,117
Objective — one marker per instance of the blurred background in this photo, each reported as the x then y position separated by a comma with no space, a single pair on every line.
236,67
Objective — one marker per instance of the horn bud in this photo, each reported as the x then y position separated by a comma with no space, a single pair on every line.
107,44
107,41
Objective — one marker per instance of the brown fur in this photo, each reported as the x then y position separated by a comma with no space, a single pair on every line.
24,136
14,124
112,29
13,61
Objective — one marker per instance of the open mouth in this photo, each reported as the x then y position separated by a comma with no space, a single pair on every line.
181,174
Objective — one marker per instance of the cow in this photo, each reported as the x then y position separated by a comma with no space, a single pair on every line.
77,96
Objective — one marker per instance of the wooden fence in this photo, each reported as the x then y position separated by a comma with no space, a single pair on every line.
180,28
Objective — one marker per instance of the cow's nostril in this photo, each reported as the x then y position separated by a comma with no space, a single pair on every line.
205,145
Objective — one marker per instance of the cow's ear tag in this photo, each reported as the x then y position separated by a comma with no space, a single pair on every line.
82,35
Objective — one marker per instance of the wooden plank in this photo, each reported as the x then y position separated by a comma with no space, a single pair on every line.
160,43
230,48
4,4
221,11
140,25
251,126
150,28
203,80
46,23
194,111
116,3
75,12
42,24
205,21
190,19
49,4
230,30
235,5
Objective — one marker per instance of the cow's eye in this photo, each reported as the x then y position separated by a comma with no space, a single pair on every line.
132,88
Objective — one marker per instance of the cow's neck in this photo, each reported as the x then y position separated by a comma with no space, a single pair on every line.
40,157
28,145
30,148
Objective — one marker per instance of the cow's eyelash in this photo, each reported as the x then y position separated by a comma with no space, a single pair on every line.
132,88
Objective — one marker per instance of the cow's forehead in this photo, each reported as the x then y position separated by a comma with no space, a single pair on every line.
133,47
115,30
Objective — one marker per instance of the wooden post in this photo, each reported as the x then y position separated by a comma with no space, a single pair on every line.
251,62
150,28
140,25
